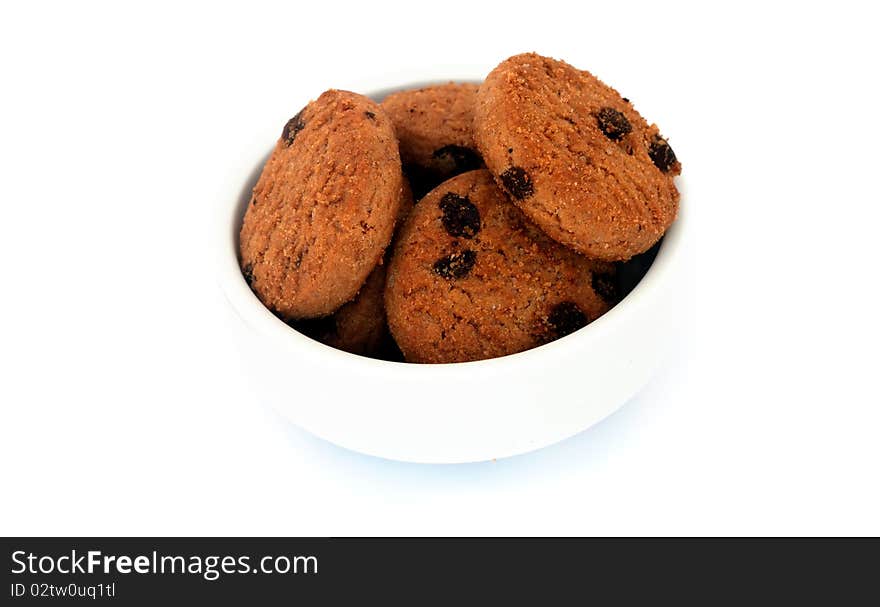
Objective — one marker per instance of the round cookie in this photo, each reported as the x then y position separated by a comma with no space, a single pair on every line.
434,126
359,326
323,210
576,157
471,278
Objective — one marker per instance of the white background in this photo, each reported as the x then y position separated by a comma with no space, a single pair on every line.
124,410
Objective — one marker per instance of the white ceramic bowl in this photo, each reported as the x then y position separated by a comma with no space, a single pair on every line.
453,413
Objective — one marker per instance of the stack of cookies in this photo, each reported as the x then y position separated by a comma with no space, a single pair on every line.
459,222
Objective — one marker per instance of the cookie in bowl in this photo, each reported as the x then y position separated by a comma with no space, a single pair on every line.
324,208
359,326
472,278
434,125
576,157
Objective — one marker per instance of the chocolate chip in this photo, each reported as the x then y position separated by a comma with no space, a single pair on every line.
464,159
517,183
625,99
661,154
248,272
613,123
460,216
370,115
292,128
566,318
605,286
456,265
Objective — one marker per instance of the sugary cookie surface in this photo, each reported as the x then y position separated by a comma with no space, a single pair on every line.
324,208
359,327
471,278
576,157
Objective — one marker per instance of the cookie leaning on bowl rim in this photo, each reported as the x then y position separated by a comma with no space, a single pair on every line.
576,157
359,327
323,210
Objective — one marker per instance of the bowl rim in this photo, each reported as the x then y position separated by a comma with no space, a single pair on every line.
259,319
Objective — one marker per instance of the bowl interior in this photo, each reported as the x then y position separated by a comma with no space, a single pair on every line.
632,275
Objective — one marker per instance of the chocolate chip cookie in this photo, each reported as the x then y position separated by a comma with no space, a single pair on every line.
472,278
359,326
323,210
576,157
434,125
